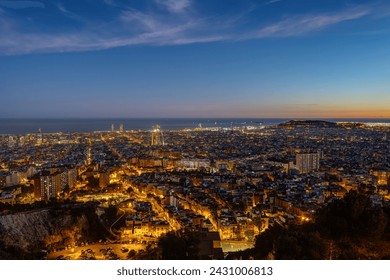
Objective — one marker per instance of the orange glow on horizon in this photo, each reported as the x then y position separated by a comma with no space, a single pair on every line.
309,111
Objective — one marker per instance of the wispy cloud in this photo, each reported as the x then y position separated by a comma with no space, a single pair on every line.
298,25
150,27
109,2
144,21
86,40
175,6
22,4
68,13
200,39
271,2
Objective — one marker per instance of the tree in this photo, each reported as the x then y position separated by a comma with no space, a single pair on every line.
265,242
353,216
300,245
179,245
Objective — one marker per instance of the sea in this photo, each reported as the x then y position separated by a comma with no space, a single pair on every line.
26,126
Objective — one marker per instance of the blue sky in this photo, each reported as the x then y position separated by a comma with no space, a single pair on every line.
188,58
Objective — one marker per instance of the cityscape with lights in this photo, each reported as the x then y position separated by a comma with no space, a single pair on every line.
215,192
194,130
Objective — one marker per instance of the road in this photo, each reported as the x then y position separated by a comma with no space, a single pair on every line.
74,253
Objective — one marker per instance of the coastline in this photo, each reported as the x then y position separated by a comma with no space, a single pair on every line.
13,126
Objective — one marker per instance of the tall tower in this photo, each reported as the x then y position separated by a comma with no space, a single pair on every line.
39,137
121,127
308,162
89,157
157,136
11,142
112,127
47,186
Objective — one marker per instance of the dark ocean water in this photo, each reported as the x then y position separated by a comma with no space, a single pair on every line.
24,126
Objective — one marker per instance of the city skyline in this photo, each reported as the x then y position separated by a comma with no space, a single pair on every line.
184,58
243,192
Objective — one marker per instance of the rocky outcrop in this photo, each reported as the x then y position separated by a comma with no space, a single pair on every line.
48,229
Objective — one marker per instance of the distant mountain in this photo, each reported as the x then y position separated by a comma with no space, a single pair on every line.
308,123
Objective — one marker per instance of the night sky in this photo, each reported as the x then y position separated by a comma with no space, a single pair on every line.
187,58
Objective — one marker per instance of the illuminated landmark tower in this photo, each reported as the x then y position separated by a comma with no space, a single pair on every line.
89,157
121,127
39,137
157,136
